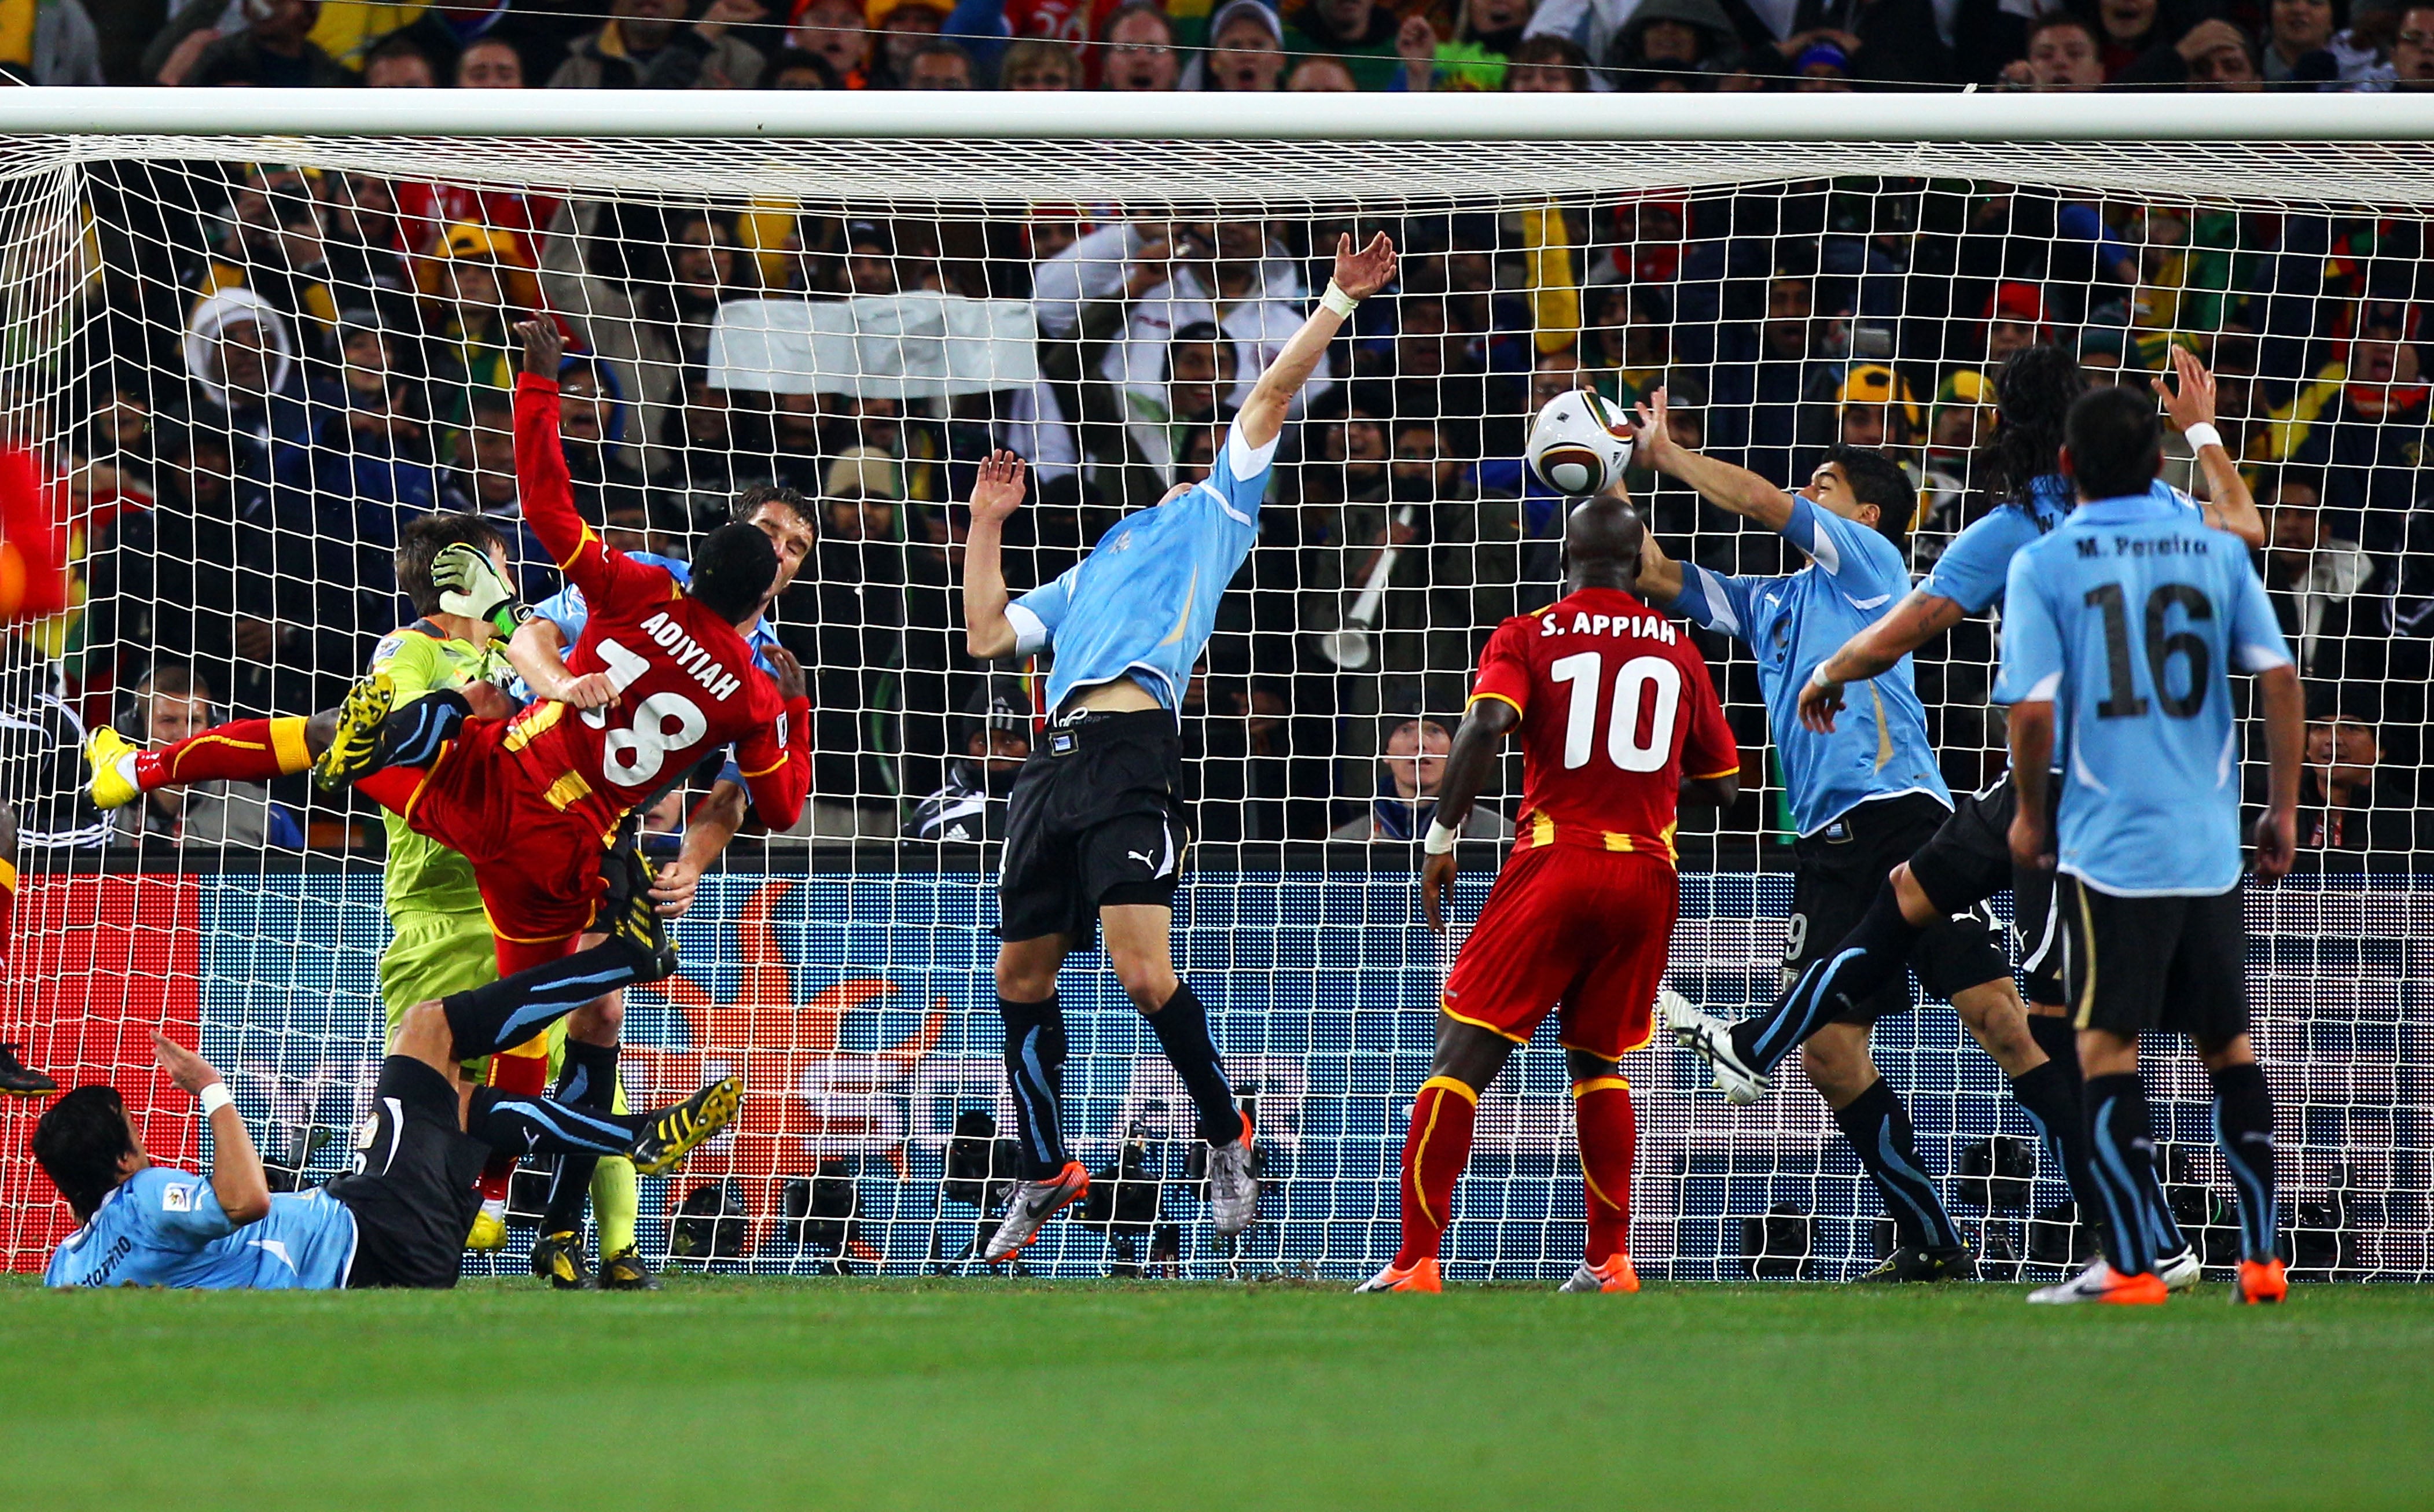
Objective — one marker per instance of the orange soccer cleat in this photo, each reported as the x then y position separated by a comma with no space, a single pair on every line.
1420,1276
2259,1283
1613,1273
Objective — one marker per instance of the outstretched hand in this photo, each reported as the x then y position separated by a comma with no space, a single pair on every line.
1654,444
998,491
1365,272
2191,403
544,347
191,1072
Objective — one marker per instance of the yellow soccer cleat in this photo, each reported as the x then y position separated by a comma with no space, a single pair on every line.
670,1135
112,756
489,1233
355,746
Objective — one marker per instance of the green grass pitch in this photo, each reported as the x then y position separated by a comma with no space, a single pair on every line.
855,1395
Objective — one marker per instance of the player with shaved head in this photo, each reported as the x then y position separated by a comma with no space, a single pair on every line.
1620,723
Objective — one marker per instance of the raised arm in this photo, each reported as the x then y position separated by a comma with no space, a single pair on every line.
998,492
2190,404
1485,725
1660,577
545,486
1721,484
1358,275
538,652
237,1178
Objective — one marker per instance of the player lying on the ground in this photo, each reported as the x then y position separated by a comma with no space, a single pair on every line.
1095,833
1862,798
2120,634
1619,724
1967,861
398,1217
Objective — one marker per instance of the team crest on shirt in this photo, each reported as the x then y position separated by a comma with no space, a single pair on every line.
176,1200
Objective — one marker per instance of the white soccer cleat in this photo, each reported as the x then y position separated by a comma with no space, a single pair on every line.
1712,1039
1233,1186
2100,1282
2180,1271
1033,1203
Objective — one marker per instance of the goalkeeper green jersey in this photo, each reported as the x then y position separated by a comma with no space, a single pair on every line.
422,875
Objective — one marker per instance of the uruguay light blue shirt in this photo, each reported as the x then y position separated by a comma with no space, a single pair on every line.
1879,747
1973,569
2129,618
1143,602
165,1228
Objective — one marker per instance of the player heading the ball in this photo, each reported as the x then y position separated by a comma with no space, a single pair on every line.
1095,833
1619,724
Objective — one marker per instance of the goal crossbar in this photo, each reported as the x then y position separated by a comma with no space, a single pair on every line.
2404,121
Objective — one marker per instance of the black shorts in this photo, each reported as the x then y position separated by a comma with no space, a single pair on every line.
1969,861
412,1188
2134,965
1093,821
1839,871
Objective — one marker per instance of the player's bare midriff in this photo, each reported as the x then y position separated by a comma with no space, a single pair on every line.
1117,696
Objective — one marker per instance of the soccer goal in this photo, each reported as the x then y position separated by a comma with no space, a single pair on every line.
252,334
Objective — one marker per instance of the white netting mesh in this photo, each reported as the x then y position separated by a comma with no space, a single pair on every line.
248,363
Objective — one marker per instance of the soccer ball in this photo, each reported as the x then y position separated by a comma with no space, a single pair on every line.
1580,443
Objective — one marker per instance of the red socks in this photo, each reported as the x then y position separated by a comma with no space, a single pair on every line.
245,750
1609,1133
1434,1152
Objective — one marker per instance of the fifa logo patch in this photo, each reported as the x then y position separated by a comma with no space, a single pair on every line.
176,1200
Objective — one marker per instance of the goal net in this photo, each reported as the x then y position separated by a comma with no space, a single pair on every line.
246,364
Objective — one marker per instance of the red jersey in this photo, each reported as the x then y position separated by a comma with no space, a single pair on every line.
686,684
1616,708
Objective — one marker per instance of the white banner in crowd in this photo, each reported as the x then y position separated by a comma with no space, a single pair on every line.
893,346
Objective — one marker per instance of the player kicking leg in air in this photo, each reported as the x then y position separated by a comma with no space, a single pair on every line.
1620,723
2121,630
396,1219
1095,833
1969,859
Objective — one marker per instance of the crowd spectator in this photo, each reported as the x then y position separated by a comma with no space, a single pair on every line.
171,703
1411,770
1138,50
970,806
1247,50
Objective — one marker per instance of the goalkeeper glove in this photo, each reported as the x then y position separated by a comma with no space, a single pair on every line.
470,584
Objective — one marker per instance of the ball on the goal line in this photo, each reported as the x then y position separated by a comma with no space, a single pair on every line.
1580,443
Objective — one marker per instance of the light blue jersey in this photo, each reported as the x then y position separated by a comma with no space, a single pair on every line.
2129,618
1879,746
566,609
165,1228
1146,599
1972,569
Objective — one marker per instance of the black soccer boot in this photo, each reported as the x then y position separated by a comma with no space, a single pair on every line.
17,1079
628,915
627,1271
559,1257
1908,1263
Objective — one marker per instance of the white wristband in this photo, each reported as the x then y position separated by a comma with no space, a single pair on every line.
213,1098
1336,301
2201,436
1439,839
1819,680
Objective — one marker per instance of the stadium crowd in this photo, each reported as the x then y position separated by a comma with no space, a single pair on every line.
284,364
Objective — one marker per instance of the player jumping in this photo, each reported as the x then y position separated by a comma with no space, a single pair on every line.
1620,723
1967,861
1862,799
1095,831
397,1218
2123,629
